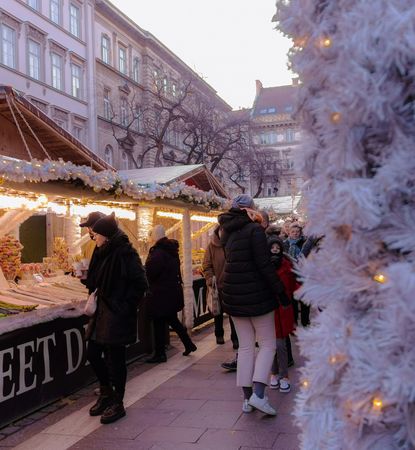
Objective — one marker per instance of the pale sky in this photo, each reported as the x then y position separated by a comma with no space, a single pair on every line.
231,43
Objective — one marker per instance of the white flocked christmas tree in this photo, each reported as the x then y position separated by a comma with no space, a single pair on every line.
356,63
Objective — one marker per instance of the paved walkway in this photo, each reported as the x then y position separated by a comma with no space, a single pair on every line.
186,403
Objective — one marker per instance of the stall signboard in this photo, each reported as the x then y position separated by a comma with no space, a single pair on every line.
201,312
47,361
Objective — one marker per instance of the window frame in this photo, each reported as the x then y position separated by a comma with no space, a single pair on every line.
136,69
107,104
77,18
105,51
61,67
122,62
37,3
125,163
109,148
29,59
58,3
79,78
13,46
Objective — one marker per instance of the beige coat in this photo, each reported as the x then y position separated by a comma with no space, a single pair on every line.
214,261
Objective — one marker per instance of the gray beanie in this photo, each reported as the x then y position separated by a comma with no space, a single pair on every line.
243,201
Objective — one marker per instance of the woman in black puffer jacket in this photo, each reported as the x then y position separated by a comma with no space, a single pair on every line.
251,292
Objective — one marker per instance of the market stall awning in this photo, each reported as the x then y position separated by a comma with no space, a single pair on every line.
281,205
27,133
196,175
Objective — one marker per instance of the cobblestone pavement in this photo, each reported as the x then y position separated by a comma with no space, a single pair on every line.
187,403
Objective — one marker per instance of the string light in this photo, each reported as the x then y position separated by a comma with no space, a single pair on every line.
305,384
377,404
209,219
325,42
335,117
380,278
170,215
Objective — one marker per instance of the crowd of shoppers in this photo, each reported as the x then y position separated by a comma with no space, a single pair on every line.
251,264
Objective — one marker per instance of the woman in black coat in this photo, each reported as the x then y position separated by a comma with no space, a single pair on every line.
165,296
120,283
251,293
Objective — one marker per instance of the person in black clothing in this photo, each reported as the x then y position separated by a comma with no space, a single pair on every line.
119,280
165,297
251,292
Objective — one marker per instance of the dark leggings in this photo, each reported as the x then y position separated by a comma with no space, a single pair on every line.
160,333
109,365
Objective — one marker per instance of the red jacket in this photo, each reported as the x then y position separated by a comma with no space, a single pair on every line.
284,317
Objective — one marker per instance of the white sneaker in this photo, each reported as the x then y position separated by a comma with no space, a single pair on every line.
262,404
275,382
246,407
285,385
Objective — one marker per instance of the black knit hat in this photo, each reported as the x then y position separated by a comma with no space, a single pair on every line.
92,218
273,239
107,226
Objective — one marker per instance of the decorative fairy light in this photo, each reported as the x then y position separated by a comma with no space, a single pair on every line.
305,384
380,278
377,404
120,213
209,219
170,215
325,42
335,117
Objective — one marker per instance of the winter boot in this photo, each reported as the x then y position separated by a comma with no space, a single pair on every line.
114,412
104,400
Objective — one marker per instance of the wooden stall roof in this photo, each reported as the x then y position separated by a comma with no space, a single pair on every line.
196,175
31,121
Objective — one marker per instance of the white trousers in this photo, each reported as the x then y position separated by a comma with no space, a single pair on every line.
259,329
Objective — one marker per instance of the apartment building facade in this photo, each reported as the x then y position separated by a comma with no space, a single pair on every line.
277,135
45,54
94,71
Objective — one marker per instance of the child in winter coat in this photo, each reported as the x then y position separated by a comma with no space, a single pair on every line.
284,316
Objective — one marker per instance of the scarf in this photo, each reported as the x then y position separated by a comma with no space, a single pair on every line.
294,250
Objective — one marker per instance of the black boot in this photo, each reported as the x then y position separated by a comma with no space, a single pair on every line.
191,348
104,400
114,412
157,359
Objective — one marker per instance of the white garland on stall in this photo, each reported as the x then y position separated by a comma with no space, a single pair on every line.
107,180
356,61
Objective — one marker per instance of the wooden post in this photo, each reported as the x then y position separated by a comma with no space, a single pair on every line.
187,270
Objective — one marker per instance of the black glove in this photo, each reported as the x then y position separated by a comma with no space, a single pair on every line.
284,299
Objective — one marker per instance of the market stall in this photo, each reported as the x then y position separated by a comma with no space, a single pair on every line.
281,208
42,353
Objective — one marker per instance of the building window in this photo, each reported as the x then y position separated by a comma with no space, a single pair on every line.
34,59
124,112
76,78
33,4
109,155
75,20
289,135
136,70
122,60
173,89
124,161
107,105
77,131
8,46
272,110
55,11
269,191
57,72
165,85
105,49
137,116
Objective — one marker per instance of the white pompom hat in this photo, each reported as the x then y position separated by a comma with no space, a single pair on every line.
157,233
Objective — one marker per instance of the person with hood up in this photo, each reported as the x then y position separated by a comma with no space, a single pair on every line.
165,297
251,293
213,265
284,317
120,284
